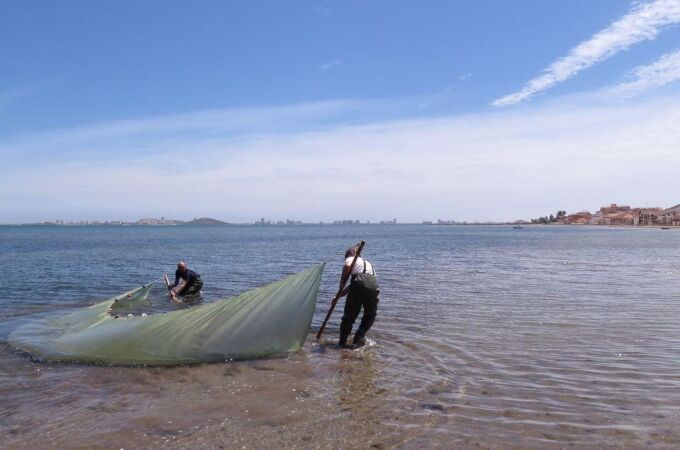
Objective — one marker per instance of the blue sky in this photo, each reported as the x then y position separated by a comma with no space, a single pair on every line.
320,110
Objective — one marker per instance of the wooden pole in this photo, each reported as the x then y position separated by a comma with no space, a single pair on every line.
173,298
167,282
337,296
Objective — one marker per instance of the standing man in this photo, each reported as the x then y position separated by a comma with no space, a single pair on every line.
362,291
192,282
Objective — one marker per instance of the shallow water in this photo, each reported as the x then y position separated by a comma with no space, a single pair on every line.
544,337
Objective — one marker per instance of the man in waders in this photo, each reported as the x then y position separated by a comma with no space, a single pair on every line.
362,291
192,282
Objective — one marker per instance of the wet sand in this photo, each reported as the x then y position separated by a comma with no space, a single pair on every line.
324,397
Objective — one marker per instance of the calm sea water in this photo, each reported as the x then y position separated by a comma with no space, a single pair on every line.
544,337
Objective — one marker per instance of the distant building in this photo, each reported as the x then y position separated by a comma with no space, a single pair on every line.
613,209
616,215
650,216
625,215
622,218
671,216
580,218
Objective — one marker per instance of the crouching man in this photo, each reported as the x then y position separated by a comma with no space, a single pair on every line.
192,282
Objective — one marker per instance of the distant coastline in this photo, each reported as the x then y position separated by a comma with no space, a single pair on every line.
519,225
141,222
613,215
617,215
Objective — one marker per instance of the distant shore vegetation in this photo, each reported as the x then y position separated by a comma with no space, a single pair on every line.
557,218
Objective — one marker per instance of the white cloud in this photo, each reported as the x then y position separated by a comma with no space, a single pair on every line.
111,140
644,22
502,166
663,71
331,64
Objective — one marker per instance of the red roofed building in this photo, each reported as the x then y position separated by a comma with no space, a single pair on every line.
580,218
623,218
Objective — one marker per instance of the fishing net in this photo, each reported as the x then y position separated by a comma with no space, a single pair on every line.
272,319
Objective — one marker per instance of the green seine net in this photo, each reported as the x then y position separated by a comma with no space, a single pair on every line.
272,319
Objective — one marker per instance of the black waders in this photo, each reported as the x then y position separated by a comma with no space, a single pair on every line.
363,291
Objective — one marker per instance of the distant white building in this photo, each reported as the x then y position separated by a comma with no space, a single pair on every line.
671,216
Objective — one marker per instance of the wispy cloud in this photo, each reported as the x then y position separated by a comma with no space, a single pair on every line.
643,22
663,71
8,97
331,64
118,139
322,9
502,165
462,77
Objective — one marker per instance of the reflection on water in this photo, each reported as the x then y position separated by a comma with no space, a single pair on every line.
543,337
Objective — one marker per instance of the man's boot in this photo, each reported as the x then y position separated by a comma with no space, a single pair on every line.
359,340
